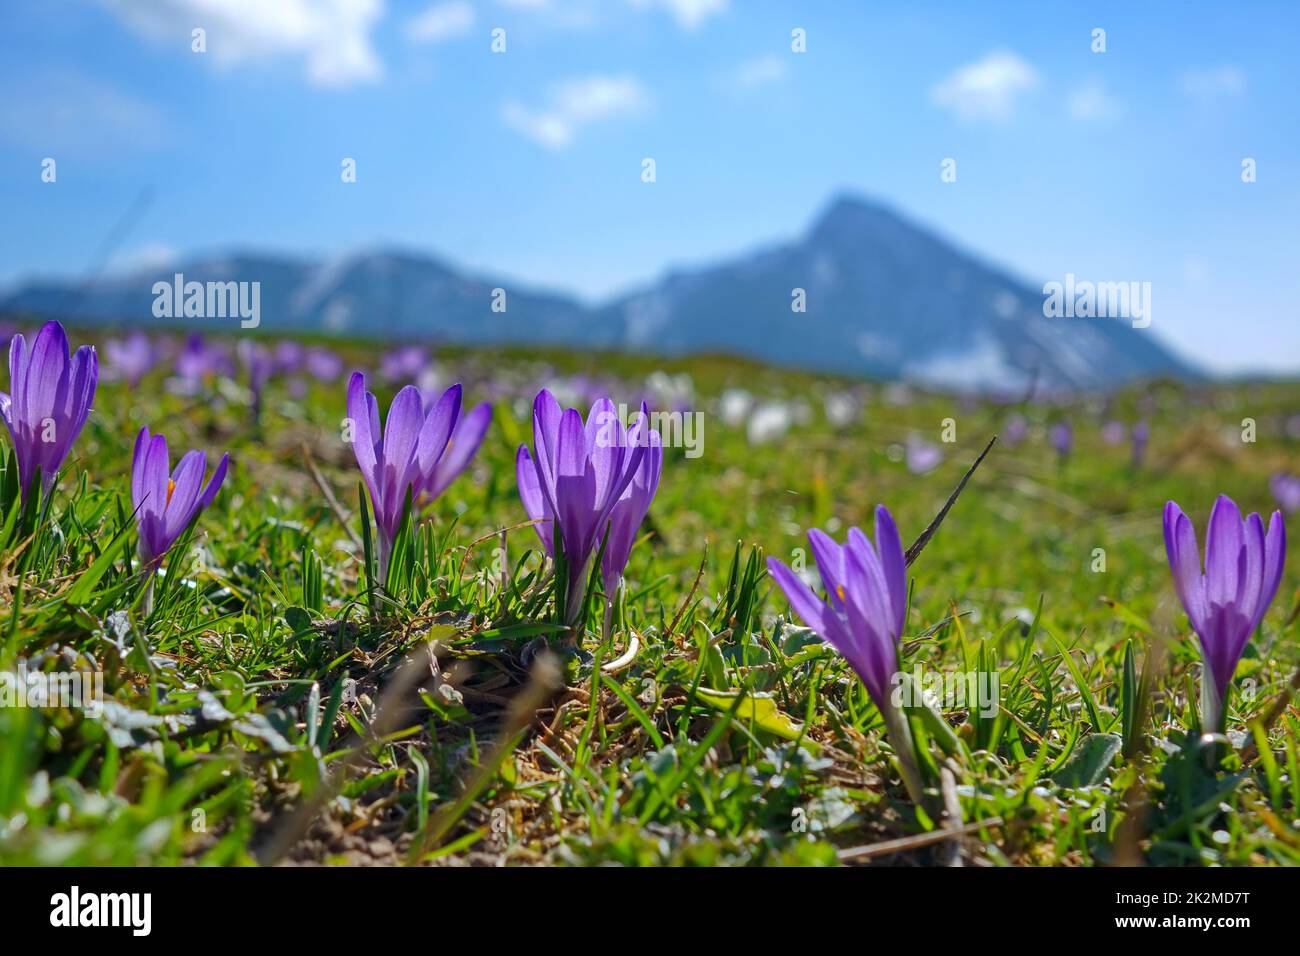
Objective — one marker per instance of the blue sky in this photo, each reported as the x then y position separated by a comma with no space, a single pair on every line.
1115,166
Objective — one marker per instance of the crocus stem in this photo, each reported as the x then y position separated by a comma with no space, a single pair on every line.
575,596
900,735
609,620
1213,718
385,553
146,606
1212,714
611,610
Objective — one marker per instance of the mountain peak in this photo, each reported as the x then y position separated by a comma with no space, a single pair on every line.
852,216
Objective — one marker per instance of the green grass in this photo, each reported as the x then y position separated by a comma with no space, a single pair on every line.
273,707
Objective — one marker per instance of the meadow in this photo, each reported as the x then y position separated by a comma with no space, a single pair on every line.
269,699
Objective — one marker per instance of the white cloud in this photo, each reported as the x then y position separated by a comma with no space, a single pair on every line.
331,38
1092,102
148,258
574,104
689,14
755,74
60,110
1219,81
986,90
589,15
443,21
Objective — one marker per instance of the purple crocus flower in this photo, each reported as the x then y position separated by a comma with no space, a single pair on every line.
130,359
1243,567
862,617
1112,433
260,363
166,501
48,401
323,364
1286,489
574,478
415,450
922,456
1141,435
289,357
199,360
403,363
1061,435
1016,430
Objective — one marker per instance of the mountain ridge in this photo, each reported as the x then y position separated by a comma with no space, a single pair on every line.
882,297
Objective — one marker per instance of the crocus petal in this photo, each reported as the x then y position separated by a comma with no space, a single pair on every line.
575,489
214,483
187,479
401,432
150,472
806,604
606,447
138,456
152,537
603,426
402,427
1274,560
461,448
157,470
363,411
1223,543
627,464
46,371
546,435
1185,562
889,547
1250,581
830,563
436,430
82,379
535,504
18,361
86,398
653,466
875,589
